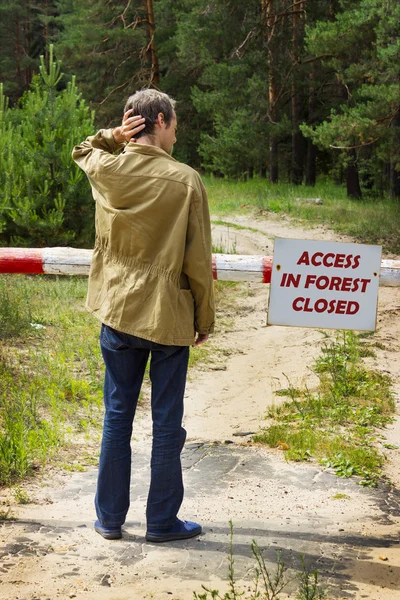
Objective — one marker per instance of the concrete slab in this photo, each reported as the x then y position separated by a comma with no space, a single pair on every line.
295,509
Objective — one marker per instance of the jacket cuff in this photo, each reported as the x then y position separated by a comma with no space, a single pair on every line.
105,138
204,330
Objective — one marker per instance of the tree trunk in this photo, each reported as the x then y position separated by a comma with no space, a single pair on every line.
352,179
270,20
311,170
18,52
297,171
394,182
152,58
311,163
27,27
394,173
334,7
273,161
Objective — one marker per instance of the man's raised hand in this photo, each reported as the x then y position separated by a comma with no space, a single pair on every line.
131,126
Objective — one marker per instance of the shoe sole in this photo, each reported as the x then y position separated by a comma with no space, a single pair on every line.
171,537
109,535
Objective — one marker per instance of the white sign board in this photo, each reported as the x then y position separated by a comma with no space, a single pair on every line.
324,284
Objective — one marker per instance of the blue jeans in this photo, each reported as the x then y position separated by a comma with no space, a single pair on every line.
125,357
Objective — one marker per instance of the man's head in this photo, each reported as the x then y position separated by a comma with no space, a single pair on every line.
158,110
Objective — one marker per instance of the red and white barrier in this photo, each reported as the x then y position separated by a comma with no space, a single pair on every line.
236,267
45,261
226,267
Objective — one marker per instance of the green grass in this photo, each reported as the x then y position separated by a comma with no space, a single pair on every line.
234,225
50,376
370,220
339,423
15,317
51,371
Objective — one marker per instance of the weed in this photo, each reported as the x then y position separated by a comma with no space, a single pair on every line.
220,248
310,588
340,497
291,392
7,515
267,584
273,583
21,496
336,424
73,467
227,244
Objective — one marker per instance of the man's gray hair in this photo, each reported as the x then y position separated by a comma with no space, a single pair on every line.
149,103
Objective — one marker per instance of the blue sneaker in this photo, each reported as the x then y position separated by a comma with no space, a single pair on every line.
109,533
182,530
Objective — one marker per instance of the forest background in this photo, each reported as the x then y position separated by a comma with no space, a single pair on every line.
273,90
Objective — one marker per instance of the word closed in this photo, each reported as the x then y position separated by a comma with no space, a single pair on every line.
324,284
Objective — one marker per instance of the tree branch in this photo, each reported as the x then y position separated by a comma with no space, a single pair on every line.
311,60
355,147
122,16
390,116
284,82
114,90
249,37
297,3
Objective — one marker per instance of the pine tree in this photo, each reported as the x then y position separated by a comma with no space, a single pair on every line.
26,30
45,199
109,46
362,45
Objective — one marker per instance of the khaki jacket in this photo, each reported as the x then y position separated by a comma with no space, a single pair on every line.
151,273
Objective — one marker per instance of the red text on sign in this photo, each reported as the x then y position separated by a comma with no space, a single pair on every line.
323,282
289,279
337,284
338,307
338,261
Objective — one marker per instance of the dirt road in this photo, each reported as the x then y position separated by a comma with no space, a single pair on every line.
341,529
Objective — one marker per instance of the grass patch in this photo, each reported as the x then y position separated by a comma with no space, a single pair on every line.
226,244
370,221
51,370
235,226
15,313
338,424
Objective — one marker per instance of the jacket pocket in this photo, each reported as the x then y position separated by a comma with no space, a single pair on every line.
184,322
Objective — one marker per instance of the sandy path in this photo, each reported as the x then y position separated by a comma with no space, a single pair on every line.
266,359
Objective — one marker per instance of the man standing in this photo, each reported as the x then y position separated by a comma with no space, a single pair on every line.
151,287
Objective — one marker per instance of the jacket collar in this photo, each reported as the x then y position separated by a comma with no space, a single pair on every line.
145,149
